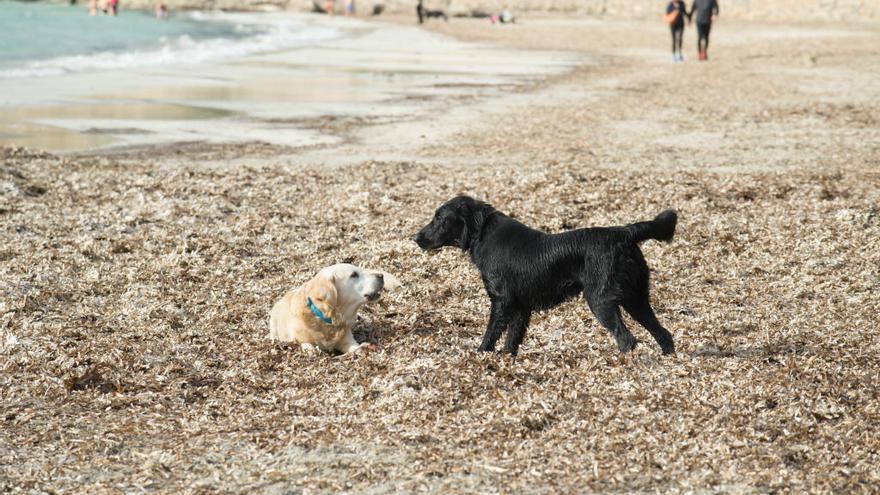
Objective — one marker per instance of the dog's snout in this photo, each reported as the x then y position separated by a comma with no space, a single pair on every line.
421,239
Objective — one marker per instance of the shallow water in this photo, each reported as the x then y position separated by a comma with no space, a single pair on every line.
39,39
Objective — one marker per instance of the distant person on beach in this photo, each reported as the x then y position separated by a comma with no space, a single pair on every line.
349,7
676,11
111,7
707,11
329,5
93,7
161,11
504,17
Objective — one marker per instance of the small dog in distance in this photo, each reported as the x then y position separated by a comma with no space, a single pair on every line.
424,13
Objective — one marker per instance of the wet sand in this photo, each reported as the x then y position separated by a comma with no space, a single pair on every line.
372,71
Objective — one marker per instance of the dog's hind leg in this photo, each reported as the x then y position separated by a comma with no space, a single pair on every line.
517,331
499,317
642,312
608,314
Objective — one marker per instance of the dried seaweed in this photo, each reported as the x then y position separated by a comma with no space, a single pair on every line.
134,335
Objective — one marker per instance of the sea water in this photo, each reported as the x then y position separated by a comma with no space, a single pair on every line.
45,39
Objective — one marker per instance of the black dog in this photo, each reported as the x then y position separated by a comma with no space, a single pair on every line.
525,270
424,13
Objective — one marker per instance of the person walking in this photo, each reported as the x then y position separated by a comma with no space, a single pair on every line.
161,11
676,11
707,11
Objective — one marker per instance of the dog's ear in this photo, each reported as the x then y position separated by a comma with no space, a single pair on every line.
322,291
464,238
464,212
472,215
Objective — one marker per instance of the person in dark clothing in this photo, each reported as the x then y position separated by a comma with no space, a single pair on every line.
707,11
676,25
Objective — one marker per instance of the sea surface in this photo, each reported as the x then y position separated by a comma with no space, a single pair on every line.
46,39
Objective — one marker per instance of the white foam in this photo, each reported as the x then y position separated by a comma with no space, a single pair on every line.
272,34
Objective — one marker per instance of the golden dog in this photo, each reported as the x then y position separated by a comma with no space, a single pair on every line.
322,312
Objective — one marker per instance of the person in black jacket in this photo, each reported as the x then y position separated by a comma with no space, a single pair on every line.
707,11
677,27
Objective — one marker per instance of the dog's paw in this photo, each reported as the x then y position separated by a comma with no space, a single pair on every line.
626,343
310,348
363,347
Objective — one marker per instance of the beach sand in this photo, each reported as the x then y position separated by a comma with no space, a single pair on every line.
136,285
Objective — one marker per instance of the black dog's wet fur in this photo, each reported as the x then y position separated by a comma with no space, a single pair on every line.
525,270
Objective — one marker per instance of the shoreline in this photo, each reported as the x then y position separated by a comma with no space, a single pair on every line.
420,119
312,135
785,11
291,98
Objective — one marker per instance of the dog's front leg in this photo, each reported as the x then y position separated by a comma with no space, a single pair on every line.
517,331
310,348
498,319
348,344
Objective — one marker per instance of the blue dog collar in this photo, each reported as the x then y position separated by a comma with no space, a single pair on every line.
318,312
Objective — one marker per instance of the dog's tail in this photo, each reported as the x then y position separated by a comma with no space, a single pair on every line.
662,228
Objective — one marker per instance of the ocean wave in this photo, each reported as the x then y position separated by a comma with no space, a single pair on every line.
256,34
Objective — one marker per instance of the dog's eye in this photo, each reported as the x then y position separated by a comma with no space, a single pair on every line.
354,275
